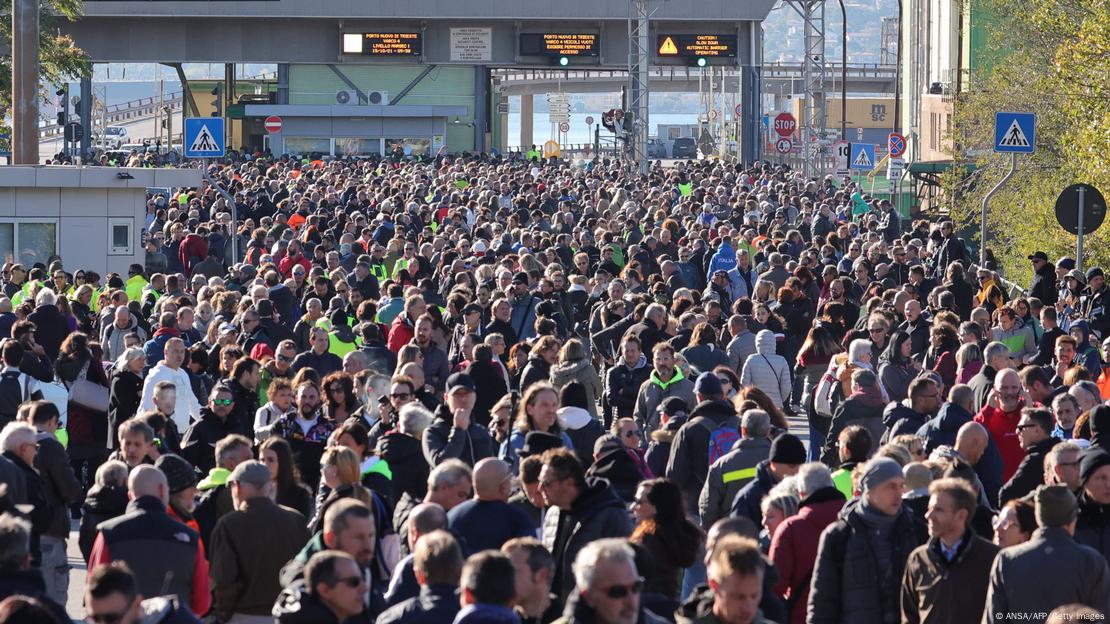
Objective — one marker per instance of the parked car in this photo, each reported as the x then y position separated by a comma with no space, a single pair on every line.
656,149
115,136
684,147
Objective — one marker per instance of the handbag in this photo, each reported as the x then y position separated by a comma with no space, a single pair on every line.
89,395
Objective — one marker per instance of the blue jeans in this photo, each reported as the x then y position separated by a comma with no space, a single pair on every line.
694,576
55,568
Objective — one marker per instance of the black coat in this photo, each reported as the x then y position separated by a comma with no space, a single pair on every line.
1044,285
854,410
101,503
199,443
1030,472
51,328
405,457
124,396
622,385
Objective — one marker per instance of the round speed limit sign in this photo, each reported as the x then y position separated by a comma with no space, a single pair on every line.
590,120
783,145
564,127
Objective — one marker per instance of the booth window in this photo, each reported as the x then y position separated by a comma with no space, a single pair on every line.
28,242
307,146
119,236
357,146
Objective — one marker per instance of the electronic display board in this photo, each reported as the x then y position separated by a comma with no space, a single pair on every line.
559,44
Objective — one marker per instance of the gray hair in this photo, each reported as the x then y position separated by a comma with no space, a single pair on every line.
448,474
995,350
1061,398
812,477
613,549
783,497
46,297
414,419
756,423
857,348
15,541
14,435
112,472
133,353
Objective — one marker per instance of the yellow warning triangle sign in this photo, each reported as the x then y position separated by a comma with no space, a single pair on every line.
668,47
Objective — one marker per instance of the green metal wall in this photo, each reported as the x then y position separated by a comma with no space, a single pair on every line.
444,85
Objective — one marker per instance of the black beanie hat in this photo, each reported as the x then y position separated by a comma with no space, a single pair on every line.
573,395
1090,460
788,449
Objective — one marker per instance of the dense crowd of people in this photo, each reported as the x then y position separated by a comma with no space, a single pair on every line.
472,389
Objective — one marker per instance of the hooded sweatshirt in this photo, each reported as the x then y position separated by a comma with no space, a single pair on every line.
723,260
766,369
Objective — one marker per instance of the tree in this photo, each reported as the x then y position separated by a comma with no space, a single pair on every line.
59,57
1060,71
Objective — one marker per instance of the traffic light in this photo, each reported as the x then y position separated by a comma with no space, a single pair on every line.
564,61
218,103
63,94
701,61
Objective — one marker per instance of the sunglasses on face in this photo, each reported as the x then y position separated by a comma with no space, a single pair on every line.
617,592
400,395
350,581
223,402
631,433
284,358
105,618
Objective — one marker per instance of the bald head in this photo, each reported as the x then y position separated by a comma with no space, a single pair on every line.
971,441
492,480
1007,386
425,518
415,372
147,480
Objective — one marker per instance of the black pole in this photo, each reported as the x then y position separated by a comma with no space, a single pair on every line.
844,72
898,75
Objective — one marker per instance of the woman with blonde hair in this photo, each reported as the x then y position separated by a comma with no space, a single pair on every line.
573,365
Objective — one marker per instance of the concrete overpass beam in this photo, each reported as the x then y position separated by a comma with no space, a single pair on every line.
527,108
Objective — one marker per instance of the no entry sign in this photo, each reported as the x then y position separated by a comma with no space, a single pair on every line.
273,124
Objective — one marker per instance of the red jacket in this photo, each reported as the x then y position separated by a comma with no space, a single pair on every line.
794,548
286,264
192,247
1003,429
401,332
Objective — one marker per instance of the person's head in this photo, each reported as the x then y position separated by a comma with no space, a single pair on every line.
112,595
1065,350
855,444
250,479
181,480
925,395
735,571
539,407
339,466
276,454
627,431
233,450
1055,507
562,478
449,484
787,455
136,440
1061,465
15,542
308,399
534,569
220,400
146,480
349,527
1094,474
425,518
996,355
1007,384
437,559
43,415
335,578
1034,426
952,504
663,359
882,484
489,578
631,350
971,441
493,480
1014,523
606,579
174,353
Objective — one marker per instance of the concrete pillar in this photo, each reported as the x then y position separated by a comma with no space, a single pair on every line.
86,116
283,83
526,112
25,82
503,124
751,144
481,107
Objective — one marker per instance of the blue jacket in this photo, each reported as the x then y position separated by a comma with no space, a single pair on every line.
486,614
435,604
523,317
747,500
723,260
510,447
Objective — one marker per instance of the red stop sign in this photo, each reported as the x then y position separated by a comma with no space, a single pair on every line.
273,124
785,124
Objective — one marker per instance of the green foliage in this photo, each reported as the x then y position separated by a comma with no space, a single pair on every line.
59,56
1057,64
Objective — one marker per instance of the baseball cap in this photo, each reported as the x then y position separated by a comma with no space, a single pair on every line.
1066,263
460,380
226,328
1039,255
253,472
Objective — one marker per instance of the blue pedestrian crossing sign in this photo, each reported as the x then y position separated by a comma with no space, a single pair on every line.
1015,133
861,156
204,137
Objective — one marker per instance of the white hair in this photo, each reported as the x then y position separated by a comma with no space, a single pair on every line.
133,353
858,348
414,419
45,297
14,435
613,549
812,477
112,472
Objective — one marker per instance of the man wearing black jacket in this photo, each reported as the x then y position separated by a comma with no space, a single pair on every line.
1035,432
1044,279
689,461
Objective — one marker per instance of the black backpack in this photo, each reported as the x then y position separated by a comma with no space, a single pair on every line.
11,395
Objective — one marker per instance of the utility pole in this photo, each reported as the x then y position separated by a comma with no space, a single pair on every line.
843,72
639,92
25,81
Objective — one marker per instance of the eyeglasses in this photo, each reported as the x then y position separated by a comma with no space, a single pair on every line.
1025,426
224,402
350,581
631,433
400,395
284,358
105,618
616,592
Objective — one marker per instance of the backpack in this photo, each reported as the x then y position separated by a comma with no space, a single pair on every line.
11,395
722,437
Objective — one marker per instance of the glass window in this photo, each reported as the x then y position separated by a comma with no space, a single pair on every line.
307,145
411,147
357,146
37,242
